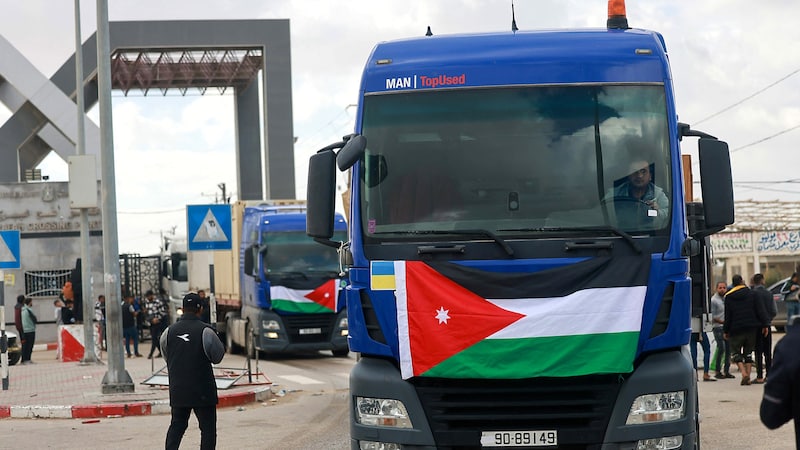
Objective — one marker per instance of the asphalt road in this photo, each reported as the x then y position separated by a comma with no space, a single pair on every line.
310,411
729,416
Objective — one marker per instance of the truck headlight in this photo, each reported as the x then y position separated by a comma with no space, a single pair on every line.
271,325
664,443
373,445
343,327
662,407
382,412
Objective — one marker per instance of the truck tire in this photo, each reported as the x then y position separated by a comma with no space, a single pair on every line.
230,346
250,347
341,353
14,358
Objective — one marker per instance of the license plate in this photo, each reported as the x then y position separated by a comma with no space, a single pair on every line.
532,438
310,330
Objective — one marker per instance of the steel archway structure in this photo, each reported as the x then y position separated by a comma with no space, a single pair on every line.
251,57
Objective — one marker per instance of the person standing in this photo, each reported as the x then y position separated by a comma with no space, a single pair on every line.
718,319
100,316
57,305
129,330
781,401
157,316
743,317
190,347
28,330
68,313
18,315
702,339
206,314
763,341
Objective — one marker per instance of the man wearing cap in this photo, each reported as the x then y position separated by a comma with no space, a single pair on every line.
190,346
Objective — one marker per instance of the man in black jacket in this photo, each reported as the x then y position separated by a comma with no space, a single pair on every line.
764,341
744,317
781,401
190,347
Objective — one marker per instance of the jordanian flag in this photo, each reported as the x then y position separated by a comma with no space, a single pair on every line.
461,322
319,300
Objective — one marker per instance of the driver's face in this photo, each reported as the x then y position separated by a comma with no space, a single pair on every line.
639,174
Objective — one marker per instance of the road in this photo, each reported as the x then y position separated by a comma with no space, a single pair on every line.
310,411
729,416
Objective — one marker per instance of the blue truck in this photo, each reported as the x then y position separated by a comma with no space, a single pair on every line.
278,291
524,256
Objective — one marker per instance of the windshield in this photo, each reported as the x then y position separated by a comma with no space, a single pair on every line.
293,252
516,160
180,267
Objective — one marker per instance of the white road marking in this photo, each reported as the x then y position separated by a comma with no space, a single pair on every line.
300,379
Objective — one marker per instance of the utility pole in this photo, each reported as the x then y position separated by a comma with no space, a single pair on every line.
89,355
3,337
116,378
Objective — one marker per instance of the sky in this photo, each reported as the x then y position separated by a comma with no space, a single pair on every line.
734,65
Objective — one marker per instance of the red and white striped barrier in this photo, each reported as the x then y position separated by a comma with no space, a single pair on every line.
71,343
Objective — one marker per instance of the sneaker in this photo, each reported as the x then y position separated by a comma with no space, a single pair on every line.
138,355
719,376
706,377
728,375
129,355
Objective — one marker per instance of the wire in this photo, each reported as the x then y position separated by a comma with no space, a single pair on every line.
766,138
727,108
165,211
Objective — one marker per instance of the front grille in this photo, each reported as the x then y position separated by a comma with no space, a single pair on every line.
578,408
295,323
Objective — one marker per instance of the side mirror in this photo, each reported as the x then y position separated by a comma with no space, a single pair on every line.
351,152
321,195
249,261
716,182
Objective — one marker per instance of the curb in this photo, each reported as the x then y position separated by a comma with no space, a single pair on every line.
45,347
117,410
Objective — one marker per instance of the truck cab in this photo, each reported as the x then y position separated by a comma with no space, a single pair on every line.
518,244
290,286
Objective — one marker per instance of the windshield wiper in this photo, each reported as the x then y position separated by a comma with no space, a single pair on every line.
606,229
296,274
479,232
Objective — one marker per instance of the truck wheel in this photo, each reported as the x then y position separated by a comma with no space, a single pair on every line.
230,347
14,358
342,353
250,346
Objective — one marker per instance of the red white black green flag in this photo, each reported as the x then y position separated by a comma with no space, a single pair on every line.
320,300
461,322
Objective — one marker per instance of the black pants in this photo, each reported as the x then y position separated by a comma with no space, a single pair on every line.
155,335
27,345
763,352
206,418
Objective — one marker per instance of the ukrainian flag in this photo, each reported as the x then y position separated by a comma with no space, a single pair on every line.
381,275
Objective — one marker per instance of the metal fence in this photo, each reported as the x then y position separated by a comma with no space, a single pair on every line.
46,283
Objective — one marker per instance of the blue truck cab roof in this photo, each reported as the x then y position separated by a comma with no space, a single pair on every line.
528,57
286,217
